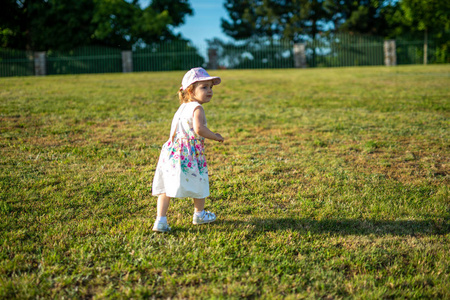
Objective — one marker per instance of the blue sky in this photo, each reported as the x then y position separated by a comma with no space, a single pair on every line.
204,24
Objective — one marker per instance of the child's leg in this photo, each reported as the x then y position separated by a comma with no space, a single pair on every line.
163,205
199,204
200,215
161,210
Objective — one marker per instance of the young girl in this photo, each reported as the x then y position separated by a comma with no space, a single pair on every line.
182,171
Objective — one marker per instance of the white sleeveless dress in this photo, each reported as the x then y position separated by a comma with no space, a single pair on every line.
182,170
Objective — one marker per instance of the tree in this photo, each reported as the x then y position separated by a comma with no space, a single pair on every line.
292,19
65,24
428,16
121,24
361,16
61,24
177,10
10,25
297,19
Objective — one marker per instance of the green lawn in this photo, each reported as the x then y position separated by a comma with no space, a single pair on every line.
332,183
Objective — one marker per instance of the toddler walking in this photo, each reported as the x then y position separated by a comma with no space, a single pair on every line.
182,170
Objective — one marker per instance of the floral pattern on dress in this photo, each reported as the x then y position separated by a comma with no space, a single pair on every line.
188,153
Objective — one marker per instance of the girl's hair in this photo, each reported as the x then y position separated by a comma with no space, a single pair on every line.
186,95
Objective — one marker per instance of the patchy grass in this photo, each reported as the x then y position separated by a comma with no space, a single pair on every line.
332,183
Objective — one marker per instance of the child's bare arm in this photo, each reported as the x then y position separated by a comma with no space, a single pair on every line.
201,129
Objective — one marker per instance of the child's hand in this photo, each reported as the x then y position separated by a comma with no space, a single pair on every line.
219,138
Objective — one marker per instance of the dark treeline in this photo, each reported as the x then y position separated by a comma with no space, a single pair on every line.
300,19
42,25
303,20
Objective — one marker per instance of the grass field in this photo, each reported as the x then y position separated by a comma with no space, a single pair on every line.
332,183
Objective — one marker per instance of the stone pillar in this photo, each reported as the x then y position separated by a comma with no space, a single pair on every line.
212,59
127,61
40,64
300,55
390,54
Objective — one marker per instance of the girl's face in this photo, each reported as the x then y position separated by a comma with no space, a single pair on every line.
203,91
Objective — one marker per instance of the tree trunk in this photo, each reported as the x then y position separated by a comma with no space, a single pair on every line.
425,47
313,33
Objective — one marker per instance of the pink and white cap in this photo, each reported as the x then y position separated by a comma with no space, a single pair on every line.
196,75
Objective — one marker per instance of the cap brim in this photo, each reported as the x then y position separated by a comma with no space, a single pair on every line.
215,80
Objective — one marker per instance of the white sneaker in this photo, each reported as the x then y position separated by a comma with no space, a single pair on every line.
207,217
161,227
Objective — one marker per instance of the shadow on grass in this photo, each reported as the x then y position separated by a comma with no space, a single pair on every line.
345,226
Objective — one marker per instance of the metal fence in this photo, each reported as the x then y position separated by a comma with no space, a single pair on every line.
92,59
411,51
344,50
166,57
254,54
16,63
327,51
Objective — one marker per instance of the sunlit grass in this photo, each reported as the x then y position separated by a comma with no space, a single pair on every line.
331,183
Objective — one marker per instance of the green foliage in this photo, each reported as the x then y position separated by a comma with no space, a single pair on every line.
68,24
298,19
122,24
306,20
287,19
429,20
332,183
421,15
177,10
